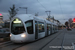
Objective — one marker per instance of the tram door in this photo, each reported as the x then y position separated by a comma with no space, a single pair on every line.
51,29
48,29
36,30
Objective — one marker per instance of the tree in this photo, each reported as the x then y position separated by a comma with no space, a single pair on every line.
70,22
12,12
66,23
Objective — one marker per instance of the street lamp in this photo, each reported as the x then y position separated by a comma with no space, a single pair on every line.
24,8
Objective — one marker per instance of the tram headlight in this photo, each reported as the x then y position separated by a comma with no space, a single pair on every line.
10,35
23,35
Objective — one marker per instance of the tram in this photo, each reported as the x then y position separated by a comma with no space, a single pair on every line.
27,28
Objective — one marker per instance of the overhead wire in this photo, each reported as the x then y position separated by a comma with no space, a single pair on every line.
41,5
61,10
60,7
46,9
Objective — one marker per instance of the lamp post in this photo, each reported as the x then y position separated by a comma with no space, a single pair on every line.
48,14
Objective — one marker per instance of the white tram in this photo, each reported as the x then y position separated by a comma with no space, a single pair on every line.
27,28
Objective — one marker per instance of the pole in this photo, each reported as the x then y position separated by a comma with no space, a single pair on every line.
48,14
24,8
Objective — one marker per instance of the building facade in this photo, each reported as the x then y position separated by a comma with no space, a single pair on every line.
1,20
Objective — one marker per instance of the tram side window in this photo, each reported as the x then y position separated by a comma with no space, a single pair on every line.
29,26
53,27
56,27
41,27
48,27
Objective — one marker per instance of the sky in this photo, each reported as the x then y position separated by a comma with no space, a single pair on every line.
62,10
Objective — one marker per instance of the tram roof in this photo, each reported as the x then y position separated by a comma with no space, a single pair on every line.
28,17
25,17
48,21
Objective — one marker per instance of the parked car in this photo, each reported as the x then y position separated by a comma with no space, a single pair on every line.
4,33
69,28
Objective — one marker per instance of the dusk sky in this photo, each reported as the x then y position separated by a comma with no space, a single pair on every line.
60,9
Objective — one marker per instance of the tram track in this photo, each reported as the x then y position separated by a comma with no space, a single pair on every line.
16,46
11,46
62,44
5,44
56,37
19,46
50,41
40,48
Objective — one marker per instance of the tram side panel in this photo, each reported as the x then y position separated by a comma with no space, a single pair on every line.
45,28
52,29
39,29
41,32
30,30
